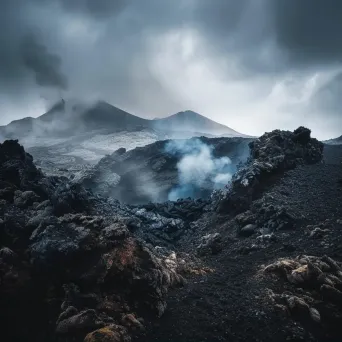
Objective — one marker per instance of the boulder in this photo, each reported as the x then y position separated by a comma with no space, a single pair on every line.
25,199
248,230
210,244
82,322
110,333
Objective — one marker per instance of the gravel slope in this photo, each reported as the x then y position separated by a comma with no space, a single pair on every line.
233,302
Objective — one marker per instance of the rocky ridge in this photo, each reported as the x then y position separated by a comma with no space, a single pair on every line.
270,155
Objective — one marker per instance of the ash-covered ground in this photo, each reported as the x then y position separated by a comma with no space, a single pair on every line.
258,260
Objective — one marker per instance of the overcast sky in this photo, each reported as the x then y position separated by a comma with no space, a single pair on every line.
253,65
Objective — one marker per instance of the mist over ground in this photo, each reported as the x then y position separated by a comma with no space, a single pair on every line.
197,166
251,65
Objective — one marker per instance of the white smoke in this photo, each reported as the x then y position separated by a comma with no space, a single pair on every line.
198,168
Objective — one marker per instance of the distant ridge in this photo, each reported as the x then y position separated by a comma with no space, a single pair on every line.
70,117
336,141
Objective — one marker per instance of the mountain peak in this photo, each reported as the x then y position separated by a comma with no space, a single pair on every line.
191,121
187,112
69,116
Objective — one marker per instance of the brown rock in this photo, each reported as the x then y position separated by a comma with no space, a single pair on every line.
299,275
131,322
283,266
111,333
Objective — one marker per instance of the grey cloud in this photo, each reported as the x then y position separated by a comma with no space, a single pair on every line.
327,96
46,66
98,8
102,48
273,35
24,57
309,30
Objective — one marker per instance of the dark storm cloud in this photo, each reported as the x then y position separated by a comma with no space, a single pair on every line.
46,66
23,55
102,48
309,30
273,35
304,31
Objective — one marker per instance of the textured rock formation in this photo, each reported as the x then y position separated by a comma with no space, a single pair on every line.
65,271
270,155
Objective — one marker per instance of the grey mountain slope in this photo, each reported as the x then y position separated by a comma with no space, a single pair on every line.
66,118
191,121
336,141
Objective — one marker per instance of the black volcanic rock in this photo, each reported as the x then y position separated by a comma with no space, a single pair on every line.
271,155
17,166
65,271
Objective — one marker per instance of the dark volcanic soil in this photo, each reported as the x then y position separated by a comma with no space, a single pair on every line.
233,302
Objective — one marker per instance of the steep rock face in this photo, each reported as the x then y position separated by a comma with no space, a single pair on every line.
270,155
17,168
65,271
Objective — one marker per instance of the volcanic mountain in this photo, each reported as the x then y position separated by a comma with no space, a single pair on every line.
189,121
67,117
71,117
72,134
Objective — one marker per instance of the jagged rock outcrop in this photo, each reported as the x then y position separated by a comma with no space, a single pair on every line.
270,155
64,270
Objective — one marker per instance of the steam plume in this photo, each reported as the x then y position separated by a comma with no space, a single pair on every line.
197,167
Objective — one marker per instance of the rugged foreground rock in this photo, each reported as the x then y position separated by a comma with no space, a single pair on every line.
64,271
260,261
271,155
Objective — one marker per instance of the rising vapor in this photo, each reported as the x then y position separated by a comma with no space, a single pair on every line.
196,167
